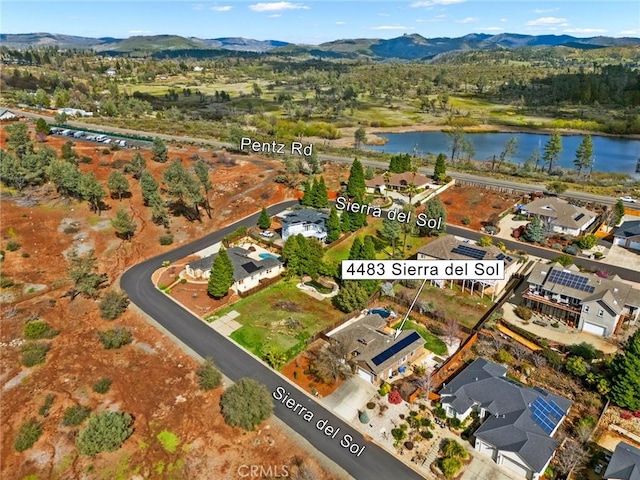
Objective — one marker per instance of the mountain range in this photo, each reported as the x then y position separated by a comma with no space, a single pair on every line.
405,47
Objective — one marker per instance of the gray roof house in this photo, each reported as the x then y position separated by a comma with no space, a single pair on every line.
6,114
624,463
560,215
518,421
248,267
376,354
306,222
628,235
583,300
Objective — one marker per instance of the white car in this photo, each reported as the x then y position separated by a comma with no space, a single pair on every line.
267,234
628,199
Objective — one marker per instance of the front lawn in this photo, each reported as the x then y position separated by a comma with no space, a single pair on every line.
432,342
452,303
281,318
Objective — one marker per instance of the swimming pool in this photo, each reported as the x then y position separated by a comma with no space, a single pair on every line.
268,255
380,311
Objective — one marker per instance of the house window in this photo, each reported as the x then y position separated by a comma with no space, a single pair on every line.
404,359
240,282
586,309
600,313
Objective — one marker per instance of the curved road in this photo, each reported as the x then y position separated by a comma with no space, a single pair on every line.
235,363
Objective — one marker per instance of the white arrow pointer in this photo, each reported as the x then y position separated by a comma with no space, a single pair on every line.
399,329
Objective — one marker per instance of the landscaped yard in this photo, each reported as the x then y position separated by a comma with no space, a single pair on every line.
280,318
432,342
466,309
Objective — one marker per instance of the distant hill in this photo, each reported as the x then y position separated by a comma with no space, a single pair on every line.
405,47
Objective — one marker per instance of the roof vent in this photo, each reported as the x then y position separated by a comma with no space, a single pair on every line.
615,289
476,379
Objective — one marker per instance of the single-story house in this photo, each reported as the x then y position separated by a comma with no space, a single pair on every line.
398,181
197,68
624,463
560,216
376,354
306,222
75,112
249,267
627,235
518,422
6,115
111,71
448,247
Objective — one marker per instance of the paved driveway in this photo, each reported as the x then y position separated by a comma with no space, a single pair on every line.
483,468
349,397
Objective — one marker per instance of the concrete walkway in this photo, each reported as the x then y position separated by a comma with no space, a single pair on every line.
226,324
507,225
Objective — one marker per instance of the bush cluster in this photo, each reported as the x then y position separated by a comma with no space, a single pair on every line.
113,304
102,386
34,353
105,432
38,329
209,377
28,434
75,415
115,338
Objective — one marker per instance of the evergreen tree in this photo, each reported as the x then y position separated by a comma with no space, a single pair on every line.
552,150
345,221
149,187
264,221
68,153
91,190
356,187
368,248
65,176
307,198
391,232
124,225
138,164
434,208
351,297
311,253
18,140
117,184
584,154
159,150
356,220
359,136
625,383
334,227
159,210
534,232
440,169
321,196
42,126
356,250
618,212
82,272
221,277
291,254
202,172
400,163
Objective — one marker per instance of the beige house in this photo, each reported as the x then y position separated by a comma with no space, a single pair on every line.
559,216
398,182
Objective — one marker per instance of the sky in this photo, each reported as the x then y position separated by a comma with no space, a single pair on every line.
314,22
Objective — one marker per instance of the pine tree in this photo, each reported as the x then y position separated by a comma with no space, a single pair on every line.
345,221
264,221
159,211
124,225
552,150
356,250
625,383
584,154
307,198
333,226
117,184
221,277
434,208
533,232
356,186
440,169
91,190
138,164
159,150
321,195
391,233
311,253
42,126
351,297
368,248
291,254
202,172
149,187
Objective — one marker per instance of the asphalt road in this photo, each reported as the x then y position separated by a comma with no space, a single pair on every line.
235,363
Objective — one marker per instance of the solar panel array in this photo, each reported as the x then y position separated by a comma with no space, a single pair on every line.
500,256
395,348
546,414
470,252
570,280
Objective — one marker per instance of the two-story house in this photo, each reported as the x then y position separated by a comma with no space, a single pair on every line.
305,222
582,300
559,216
518,422
627,235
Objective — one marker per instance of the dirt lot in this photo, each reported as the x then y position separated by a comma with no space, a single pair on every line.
298,372
476,204
152,379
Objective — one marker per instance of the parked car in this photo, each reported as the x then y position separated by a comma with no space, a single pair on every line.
122,143
65,132
267,234
598,468
78,134
106,140
628,199
100,138
90,137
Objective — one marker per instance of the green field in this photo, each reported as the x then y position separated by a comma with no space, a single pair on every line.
281,318
432,342
466,309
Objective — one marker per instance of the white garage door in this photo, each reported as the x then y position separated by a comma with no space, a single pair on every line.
366,375
516,467
618,241
634,245
595,329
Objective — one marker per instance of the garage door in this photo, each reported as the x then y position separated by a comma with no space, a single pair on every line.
595,329
366,375
516,467
634,245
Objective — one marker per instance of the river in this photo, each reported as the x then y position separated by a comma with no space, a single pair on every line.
611,154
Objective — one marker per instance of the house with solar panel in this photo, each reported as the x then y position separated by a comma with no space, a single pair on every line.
306,222
449,247
374,351
518,422
559,216
582,300
624,463
251,265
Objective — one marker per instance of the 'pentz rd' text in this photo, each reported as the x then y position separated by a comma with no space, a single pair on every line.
296,148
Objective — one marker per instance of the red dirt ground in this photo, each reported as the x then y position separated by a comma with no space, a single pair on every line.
153,379
476,203
307,382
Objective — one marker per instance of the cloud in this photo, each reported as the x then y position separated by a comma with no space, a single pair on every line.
504,19
384,15
468,20
392,27
341,23
491,29
277,6
221,8
197,6
635,31
548,21
275,15
140,32
584,30
546,10
433,3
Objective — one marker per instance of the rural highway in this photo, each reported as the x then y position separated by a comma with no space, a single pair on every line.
480,180
235,363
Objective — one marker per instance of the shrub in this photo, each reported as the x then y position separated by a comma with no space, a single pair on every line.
523,312
450,466
466,221
105,432
209,377
246,404
75,415
564,260
384,389
168,440
113,304
426,434
572,250
363,417
39,329
46,406
12,245
166,239
28,434
85,159
503,356
394,397
371,405
115,338
454,423
102,386
34,353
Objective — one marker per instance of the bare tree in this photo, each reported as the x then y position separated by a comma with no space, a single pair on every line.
425,384
570,457
305,471
519,351
451,330
538,360
582,432
332,361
